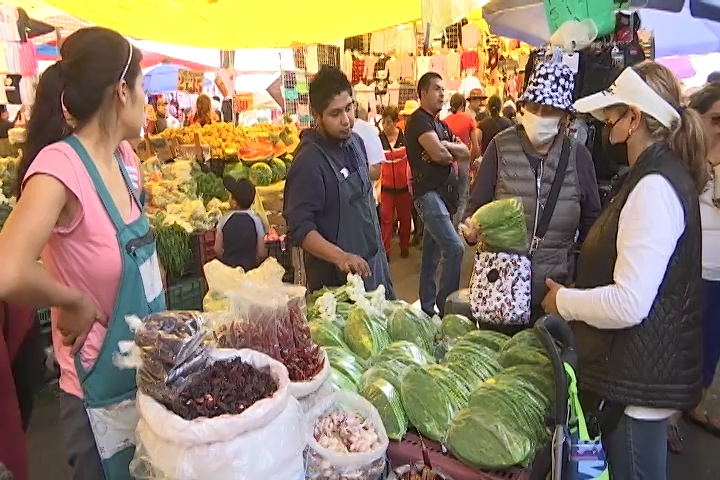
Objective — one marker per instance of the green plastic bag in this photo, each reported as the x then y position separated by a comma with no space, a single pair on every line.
602,12
454,326
487,338
327,334
365,334
404,324
345,362
340,381
404,352
390,371
429,404
502,224
527,337
385,397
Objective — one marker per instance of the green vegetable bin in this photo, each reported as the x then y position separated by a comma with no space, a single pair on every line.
187,294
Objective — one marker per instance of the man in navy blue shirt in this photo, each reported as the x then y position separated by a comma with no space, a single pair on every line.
328,202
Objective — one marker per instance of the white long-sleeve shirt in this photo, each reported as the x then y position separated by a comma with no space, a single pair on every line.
650,225
710,217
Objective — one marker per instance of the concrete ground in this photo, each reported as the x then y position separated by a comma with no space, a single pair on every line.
700,461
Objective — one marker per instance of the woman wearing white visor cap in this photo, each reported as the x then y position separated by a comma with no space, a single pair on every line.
636,308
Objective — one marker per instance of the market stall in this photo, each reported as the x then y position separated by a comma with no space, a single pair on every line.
357,387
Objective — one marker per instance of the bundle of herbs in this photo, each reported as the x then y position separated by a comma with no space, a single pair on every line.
174,248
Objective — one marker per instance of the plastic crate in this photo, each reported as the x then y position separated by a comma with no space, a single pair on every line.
283,254
409,450
204,244
187,294
202,250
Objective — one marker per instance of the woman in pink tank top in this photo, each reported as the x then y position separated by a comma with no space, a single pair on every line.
78,209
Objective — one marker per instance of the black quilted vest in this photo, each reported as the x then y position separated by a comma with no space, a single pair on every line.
657,363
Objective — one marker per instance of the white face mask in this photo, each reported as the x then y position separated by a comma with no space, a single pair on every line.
540,130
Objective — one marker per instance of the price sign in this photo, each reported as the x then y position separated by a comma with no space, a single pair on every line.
242,102
190,81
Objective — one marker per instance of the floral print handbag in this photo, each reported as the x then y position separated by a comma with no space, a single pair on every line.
500,288
501,283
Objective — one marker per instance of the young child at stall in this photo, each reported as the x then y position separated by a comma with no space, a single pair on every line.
240,236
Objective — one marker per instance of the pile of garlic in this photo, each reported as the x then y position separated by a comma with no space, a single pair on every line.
346,432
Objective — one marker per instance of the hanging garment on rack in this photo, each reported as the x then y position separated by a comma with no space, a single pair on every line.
393,68
438,64
471,36
469,59
12,57
377,42
347,64
407,68
380,71
422,66
467,84
369,67
27,90
8,23
406,41
311,59
394,94
28,60
452,66
358,70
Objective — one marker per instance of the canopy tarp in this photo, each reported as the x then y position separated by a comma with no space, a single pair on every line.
233,24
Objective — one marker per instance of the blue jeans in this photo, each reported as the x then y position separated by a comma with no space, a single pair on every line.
464,177
440,240
711,331
637,450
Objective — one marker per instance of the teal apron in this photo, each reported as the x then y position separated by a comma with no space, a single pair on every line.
110,391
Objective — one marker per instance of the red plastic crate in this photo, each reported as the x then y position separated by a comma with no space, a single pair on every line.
409,450
204,244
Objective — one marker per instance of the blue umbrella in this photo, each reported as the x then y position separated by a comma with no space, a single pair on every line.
164,78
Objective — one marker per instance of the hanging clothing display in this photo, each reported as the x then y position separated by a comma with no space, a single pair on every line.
452,64
471,36
438,64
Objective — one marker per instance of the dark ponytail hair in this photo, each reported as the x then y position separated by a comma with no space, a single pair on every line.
94,60
494,105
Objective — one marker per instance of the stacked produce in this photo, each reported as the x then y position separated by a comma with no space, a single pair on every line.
480,384
8,183
179,193
261,152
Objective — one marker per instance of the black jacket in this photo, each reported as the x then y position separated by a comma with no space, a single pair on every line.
657,363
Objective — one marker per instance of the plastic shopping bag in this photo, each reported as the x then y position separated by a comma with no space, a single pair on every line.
325,463
224,447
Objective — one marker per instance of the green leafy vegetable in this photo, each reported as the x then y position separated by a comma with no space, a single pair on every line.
502,224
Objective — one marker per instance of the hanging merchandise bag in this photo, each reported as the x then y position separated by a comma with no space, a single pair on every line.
501,283
602,12
587,459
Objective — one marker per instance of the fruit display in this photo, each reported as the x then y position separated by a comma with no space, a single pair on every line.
268,145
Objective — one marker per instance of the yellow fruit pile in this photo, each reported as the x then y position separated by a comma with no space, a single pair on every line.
222,137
